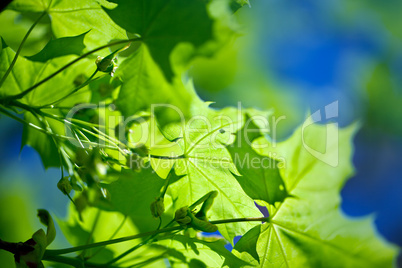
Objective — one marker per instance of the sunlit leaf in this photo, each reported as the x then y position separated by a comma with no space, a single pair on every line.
309,229
207,166
199,253
95,225
74,18
144,85
259,175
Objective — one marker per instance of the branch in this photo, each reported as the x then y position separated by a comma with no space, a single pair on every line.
74,262
15,248
23,93
52,252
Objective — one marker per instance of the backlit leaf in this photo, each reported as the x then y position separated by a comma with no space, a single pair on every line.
309,229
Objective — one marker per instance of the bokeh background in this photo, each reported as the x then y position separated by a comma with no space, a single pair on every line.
292,56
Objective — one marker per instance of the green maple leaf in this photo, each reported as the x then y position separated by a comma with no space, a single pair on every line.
100,225
25,74
60,47
237,4
144,85
133,193
167,46
195,252
71,18
260,177
22,76
19,78
164,24
41,142
305,230
309,229
206,165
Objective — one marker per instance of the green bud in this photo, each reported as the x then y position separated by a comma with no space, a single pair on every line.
158,207
106,64
64,185
181,216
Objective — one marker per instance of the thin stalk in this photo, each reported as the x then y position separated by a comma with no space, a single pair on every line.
84,123
135,247
72,92
73,262
92,231
262,219
149,240
20,48
103,136
147,262
167,157
165,186
111,138
78,139
23,93
4,111
113,235
107,140
124,254
83,135
52,252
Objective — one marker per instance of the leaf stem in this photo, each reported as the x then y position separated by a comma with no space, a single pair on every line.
73,261
113,235
91,234
4,111
23,93
20,48
14,248
136,246
52,252
72,92
167,157
262,219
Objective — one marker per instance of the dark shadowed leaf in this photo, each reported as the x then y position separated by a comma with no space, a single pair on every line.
73,45
164,24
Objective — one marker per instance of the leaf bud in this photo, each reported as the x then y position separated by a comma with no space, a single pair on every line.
158,207
64,185
181,216
106,64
